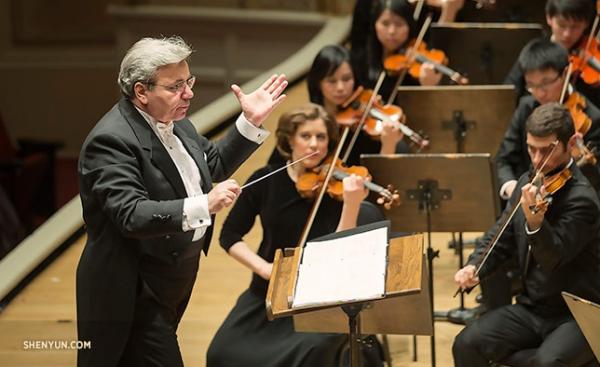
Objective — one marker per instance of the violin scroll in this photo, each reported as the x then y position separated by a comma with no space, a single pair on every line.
389,197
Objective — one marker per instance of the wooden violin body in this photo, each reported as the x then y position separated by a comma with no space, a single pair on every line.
310,183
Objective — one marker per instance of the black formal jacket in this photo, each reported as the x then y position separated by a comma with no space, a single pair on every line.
512,159
132,197
565,252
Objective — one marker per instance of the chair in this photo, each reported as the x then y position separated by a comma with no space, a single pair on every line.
27,176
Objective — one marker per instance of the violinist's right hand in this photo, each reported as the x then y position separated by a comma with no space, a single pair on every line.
429,76
466,278
390,136
507,189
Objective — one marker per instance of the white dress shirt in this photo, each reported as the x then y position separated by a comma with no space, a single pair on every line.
195,207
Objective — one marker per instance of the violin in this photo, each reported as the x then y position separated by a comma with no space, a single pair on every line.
311,182
582,155
551,185
576,104
420,55
378,114
586,62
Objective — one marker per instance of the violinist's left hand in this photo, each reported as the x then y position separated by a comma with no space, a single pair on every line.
354,189
428,75
258,105
529,198
390,136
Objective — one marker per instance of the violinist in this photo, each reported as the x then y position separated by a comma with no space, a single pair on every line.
557,248
331,83
448,10
246,337
391,28
569,22
544,65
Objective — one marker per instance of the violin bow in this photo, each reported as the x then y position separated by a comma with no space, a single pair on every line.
313,211
364,116
418,9
563,92
412,55
490,247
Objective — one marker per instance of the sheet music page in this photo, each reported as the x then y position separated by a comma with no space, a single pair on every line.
346,269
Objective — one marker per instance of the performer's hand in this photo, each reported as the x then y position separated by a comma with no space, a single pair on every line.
529,198
265,271
466,278
258,105
223,195
428,75
354,189
510,188
390,136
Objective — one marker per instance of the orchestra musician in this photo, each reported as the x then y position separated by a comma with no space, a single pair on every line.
569,22
331,83
247,337
391,28
557,248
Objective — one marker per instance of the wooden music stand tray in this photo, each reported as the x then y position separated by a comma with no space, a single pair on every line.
587,315
404,309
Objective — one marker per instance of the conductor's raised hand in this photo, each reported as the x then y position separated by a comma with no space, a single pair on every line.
258,105
223,195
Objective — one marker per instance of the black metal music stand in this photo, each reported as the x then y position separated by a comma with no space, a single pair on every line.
459,119
438,193
519,11
486,51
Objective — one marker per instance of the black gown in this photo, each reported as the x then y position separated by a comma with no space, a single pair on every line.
246,337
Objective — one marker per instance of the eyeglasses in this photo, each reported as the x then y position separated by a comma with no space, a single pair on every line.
543,85
177,87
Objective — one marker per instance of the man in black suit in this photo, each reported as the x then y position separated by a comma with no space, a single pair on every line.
557,248
544,64
145,180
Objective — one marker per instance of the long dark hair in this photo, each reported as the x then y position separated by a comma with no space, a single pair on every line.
374,48
327,61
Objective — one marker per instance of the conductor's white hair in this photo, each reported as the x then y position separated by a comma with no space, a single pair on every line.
146,56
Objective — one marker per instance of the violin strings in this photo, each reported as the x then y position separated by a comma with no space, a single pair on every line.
277,170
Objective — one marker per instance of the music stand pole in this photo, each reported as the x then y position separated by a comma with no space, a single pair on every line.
429,196
353,312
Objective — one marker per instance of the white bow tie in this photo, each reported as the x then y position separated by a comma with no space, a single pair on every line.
166,130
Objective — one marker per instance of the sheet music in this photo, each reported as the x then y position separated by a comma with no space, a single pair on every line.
346,269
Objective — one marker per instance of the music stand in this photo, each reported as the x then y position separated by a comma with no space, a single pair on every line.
487,51
459,119
587,315
505,11
439,193
404,279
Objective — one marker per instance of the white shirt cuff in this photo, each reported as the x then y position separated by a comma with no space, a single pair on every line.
503,193
531,232
249,131
195,215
